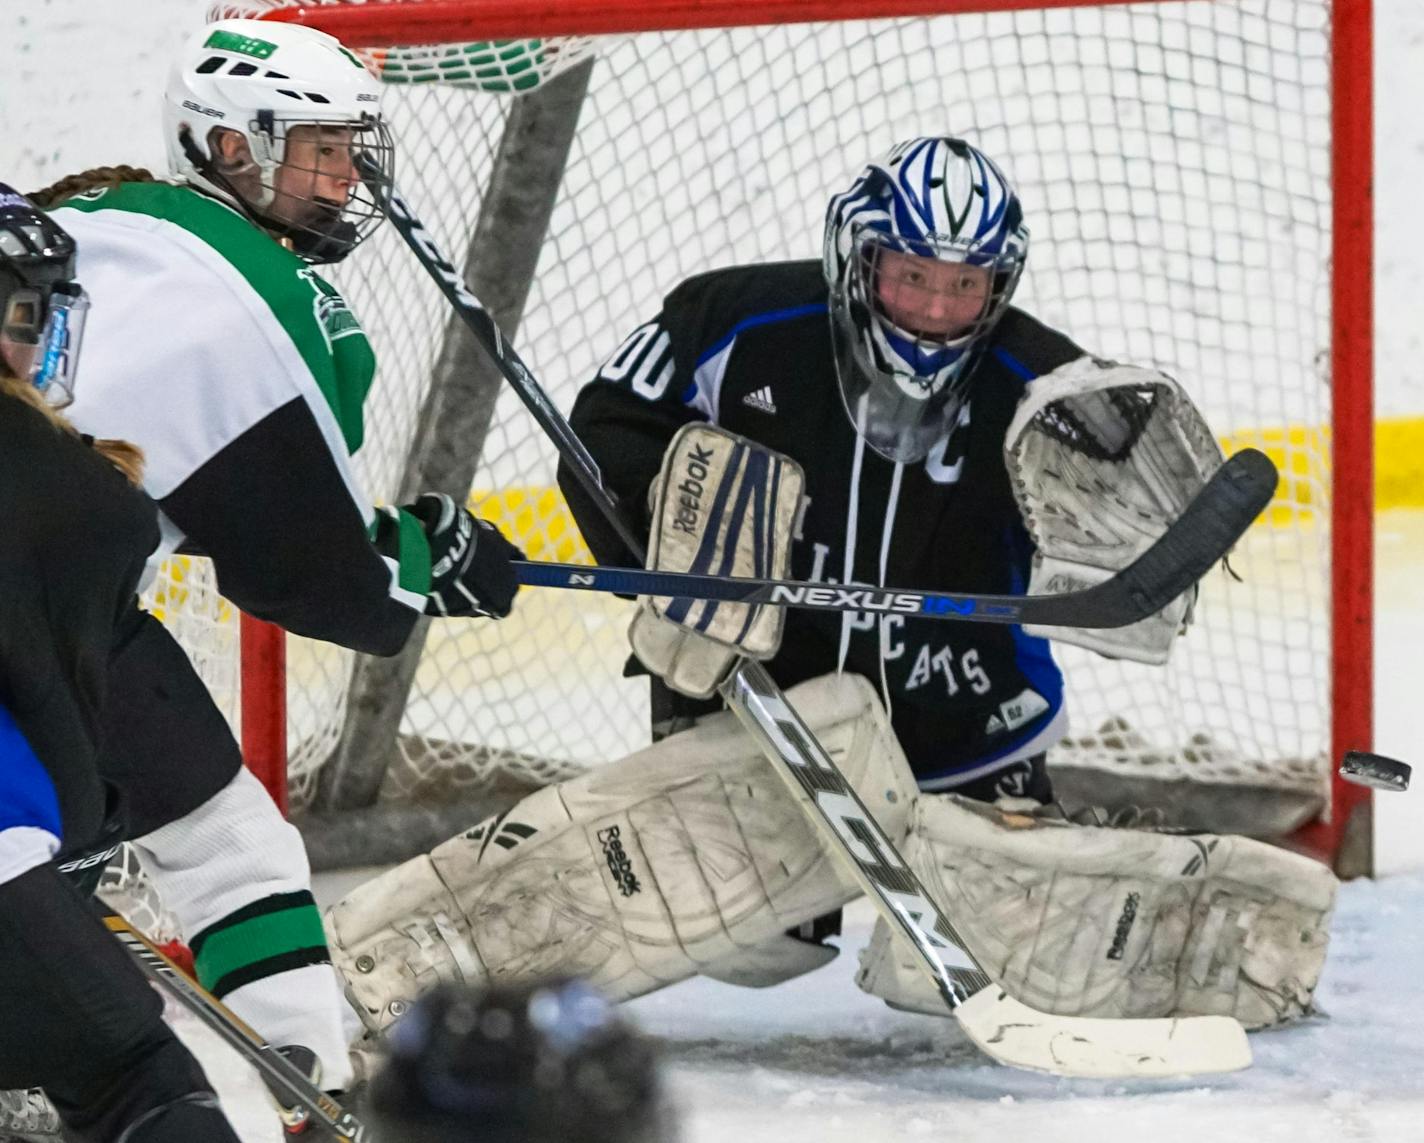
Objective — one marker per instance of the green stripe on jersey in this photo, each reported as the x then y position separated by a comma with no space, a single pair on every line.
322,327
260,938
414,555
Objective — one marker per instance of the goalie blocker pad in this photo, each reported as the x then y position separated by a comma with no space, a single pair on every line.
1102,459
723,505
635,876
1090,921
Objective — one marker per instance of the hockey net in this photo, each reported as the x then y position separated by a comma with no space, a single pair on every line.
1176,160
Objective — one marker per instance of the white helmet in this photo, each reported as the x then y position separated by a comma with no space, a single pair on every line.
260,80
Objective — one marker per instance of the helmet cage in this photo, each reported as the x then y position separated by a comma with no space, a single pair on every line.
903,387
331,232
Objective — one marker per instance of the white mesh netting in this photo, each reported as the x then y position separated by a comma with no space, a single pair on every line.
1173,159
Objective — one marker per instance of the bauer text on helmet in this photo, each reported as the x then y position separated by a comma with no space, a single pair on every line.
922,254
42,307
271,119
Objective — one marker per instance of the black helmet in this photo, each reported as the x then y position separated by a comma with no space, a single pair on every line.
543,1063
42,307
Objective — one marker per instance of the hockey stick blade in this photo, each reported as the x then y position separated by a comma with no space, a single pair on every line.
322,1110
1093,1048
1204,533
1005,1029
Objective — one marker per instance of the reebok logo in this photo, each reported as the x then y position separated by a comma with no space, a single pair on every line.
1124,926
761,400
618,864
696,465
503,833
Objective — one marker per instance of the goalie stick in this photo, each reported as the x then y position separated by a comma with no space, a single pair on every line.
270,1064
1235,495
1003,1028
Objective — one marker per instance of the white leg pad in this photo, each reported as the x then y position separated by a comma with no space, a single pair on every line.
1083,921
634,876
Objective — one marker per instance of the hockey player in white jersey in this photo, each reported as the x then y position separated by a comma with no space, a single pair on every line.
222,352
945,439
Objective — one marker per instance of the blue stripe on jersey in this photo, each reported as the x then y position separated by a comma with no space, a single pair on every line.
1033,654
27,795
771,317
1012,364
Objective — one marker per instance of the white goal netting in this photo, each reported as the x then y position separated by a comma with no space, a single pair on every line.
1174,163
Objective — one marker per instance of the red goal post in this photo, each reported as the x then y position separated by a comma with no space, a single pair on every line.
1335,488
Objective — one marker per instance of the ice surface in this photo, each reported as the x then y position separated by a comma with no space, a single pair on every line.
818,1060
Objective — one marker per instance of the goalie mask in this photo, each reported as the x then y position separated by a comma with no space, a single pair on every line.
42,307
273,119
922,255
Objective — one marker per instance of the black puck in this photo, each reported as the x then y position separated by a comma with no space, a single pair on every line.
1375,770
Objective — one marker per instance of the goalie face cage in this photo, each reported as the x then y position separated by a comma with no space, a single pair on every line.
1176,160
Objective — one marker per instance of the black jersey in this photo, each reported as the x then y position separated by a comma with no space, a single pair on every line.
750,349
76,536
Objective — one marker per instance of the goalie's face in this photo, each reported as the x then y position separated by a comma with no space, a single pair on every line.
927,298
908,318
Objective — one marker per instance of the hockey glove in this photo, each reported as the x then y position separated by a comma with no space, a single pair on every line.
726,505
469,560
1103,458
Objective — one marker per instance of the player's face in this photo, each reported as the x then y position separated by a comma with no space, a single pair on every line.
926,296
317,174
19,334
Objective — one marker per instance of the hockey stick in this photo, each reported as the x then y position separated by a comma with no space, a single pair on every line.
1235,495
270,1064
1000,1026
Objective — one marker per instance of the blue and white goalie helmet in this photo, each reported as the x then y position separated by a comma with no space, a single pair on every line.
922,254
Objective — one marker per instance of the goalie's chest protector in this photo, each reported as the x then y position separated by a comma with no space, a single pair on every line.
964,696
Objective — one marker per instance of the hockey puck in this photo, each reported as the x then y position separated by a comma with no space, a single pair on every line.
1375,770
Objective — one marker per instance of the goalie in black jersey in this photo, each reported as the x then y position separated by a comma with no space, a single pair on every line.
882,416
78,1017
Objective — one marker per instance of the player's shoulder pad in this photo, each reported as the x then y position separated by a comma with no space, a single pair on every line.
1028,347
711,307
174,211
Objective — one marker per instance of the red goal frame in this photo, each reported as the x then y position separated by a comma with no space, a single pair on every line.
1344,837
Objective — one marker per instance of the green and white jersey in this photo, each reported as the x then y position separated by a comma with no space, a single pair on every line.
241,374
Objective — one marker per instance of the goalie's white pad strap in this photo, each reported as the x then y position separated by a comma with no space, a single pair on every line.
634,876
1102,458
723,505
1086,921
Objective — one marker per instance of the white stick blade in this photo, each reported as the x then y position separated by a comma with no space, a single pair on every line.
1095,1048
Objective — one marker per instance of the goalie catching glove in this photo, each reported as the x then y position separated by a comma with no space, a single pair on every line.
723,505
470,572
1103,458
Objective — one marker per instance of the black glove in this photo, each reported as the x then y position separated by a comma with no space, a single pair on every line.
469,560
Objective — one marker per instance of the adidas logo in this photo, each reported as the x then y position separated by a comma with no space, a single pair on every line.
761,400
